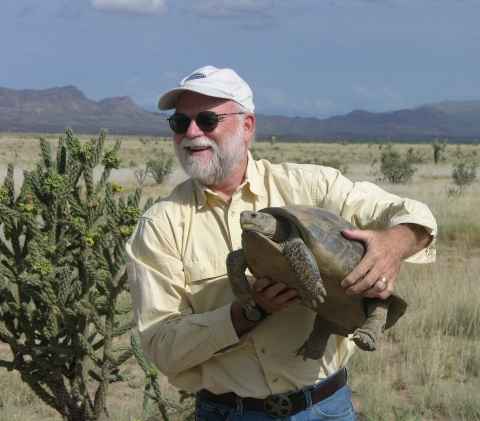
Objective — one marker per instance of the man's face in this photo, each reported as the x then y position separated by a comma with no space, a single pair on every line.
211,157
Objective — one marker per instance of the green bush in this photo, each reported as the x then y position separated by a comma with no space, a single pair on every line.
463,175
161,168
396,168
63,285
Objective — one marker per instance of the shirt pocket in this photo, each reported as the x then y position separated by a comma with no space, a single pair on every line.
208,283
198,270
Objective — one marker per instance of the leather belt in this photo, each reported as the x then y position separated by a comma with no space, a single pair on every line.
282,405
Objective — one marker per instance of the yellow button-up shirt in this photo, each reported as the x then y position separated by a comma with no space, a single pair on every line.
176,262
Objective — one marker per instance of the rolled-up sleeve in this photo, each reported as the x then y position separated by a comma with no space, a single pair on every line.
368,206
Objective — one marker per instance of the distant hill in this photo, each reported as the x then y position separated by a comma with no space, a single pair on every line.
52,110
452,107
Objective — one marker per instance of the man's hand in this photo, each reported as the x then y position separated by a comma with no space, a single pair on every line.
385,252
274,296
270,296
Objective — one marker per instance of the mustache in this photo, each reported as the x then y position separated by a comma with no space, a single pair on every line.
198,142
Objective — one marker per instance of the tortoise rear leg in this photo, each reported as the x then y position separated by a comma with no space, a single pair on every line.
366,337
306,273
314,346
236,267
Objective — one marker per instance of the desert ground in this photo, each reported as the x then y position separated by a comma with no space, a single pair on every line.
427,366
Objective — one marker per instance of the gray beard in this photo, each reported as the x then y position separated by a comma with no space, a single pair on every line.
223,163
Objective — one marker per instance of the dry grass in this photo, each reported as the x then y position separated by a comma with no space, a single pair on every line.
427,366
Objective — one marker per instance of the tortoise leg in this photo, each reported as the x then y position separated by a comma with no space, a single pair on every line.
306,273
314,346
236,267
366,337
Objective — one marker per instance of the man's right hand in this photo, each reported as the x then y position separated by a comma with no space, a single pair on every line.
274,296
270,296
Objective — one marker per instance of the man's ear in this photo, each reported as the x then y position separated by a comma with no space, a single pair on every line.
249,126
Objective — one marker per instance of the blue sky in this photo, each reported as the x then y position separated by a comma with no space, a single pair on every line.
301,57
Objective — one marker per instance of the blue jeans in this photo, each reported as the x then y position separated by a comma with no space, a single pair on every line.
337,407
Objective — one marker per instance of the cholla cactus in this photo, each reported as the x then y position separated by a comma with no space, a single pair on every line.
152,395
63,282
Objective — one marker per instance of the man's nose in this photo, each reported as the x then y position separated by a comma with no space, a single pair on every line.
193,130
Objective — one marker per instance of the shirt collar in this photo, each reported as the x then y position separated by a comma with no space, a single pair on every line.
252,181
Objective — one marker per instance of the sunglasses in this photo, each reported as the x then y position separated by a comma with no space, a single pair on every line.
206,121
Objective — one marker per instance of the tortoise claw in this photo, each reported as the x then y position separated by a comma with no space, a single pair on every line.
301,351
250,304
364,340
314,302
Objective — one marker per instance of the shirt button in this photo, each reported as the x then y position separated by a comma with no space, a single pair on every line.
232,213
264,351
275,380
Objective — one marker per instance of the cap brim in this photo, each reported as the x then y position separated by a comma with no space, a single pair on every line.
168,101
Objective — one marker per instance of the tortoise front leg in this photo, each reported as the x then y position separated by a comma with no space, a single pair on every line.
366,337
305,270
314,347
236,267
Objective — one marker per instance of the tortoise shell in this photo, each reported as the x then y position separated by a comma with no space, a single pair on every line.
335,255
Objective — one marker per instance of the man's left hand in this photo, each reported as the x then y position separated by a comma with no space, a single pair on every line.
385,252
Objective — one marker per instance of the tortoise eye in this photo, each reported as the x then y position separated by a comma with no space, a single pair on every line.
254,215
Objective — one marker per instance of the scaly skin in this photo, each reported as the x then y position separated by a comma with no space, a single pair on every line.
236,267
314,347
307,276
366,337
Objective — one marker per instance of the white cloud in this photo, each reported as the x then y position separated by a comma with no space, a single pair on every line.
323,105
138,7
383,97
170,74
132,83
229,8
273,97
144,97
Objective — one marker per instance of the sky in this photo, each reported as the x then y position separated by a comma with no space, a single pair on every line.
307,58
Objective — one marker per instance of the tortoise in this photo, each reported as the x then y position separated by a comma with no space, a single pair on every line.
303,246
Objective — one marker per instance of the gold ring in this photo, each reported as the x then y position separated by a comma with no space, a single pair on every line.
384,280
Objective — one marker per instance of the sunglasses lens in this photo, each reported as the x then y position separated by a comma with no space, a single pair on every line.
179,123
207,121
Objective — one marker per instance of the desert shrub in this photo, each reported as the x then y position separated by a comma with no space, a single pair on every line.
333,163
463,175
63,283
396,168
415,157
161,167
325,162
438,148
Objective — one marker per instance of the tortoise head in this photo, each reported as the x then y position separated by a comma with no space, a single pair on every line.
268,225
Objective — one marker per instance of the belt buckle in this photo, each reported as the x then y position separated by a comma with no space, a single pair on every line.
277,406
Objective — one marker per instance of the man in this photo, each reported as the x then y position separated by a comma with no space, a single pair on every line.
191,326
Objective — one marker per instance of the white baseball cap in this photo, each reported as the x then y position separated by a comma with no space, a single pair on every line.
210,81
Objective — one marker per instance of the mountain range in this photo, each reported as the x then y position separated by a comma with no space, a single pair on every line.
52,110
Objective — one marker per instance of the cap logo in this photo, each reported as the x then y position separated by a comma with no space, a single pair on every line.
195,76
